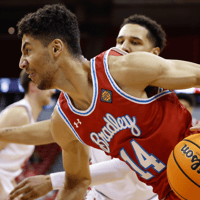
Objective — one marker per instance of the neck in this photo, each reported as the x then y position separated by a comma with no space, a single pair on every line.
36,108
75,80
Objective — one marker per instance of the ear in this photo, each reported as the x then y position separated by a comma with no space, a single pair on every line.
57,47
156,51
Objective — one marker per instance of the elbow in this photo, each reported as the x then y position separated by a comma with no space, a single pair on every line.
73,182
86,183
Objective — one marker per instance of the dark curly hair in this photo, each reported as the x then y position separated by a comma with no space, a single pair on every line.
155,32
52,22
24,80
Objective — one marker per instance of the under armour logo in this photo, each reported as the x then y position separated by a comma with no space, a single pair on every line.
78,122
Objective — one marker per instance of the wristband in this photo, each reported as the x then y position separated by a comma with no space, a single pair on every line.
57,180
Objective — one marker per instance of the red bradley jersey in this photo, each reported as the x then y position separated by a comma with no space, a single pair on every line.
141,132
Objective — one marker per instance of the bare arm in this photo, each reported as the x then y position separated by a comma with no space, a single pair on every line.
75,161
141,69
32,134
16,116
101,173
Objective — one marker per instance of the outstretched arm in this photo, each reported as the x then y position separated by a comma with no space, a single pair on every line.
101,173
140,69
32,134
75,162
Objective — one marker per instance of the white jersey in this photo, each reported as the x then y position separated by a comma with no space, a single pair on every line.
13,156
129,188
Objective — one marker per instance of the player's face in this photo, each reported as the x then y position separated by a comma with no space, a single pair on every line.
133,37
38,62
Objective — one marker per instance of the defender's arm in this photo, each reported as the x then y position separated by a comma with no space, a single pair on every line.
141,69
32,134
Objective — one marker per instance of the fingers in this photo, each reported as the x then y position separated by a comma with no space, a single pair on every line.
195,128
19,189
25,196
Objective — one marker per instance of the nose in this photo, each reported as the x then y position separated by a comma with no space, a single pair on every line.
22,63
125,47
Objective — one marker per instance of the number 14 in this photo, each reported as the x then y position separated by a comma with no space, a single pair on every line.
145,159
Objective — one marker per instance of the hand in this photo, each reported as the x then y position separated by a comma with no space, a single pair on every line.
195,128
32,188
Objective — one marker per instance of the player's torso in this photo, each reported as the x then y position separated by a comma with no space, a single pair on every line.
131,129
14,155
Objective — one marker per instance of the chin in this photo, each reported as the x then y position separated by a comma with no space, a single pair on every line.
44,86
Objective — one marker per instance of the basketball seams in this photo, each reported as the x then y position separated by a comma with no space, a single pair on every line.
191,142
175,191
182,169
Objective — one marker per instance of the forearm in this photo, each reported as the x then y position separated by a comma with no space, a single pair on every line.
101,173
33,134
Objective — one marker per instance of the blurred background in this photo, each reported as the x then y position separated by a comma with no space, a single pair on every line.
99,22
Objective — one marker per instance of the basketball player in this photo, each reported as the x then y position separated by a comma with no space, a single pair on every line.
25,111
104,103
104,172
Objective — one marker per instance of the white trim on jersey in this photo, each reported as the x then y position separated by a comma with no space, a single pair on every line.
121,92
94,98
66,120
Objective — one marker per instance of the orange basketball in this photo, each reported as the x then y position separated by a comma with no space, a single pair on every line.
183,168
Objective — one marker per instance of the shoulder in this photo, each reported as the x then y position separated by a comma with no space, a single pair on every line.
60,130
15,116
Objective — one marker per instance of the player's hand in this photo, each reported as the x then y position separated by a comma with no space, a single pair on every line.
195,128
32,188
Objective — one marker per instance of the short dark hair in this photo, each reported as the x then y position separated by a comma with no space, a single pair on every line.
25,80
187,97
52,22
156,34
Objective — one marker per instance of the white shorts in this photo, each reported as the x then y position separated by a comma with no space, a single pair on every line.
3,193
155,198
94,195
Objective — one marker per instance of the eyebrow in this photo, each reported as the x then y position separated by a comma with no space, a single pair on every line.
136,38
25,45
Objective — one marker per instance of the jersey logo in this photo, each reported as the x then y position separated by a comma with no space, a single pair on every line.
113,126
78,122
106,96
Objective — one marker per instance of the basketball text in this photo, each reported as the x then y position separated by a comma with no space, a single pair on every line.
194,158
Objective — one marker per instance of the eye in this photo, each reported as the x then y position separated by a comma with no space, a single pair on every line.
135,42
120,42
27,50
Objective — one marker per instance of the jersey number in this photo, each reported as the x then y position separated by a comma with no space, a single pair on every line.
145,159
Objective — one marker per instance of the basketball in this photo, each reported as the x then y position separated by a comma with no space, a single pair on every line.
183,168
